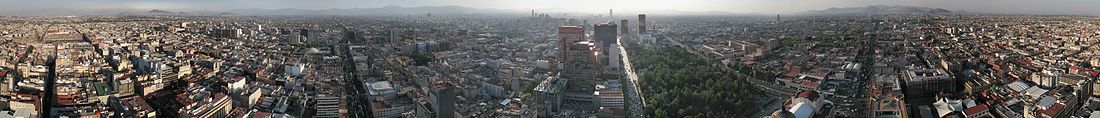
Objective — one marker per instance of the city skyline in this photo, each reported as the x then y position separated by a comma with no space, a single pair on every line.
1053,7
549,59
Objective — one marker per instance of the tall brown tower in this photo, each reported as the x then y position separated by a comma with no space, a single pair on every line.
566,36
641,24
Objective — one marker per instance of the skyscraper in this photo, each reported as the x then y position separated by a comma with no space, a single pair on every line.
606,37
624,26
567,35
394,35
446,100
578,59
581,67
580,63
641,24
777,19
606,34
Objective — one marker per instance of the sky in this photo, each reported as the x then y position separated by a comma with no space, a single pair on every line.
1073,7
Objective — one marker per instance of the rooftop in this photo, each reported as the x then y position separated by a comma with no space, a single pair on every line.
552,85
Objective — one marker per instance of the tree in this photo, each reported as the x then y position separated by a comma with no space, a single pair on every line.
678,83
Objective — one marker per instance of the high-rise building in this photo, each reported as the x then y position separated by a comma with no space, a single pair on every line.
606,34
611,13
394,35
777,19
581,67
613,66
516,82
624,26
578,61
641,24
446,100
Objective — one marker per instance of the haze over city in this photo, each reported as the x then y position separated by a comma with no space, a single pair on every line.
1042,7
549,58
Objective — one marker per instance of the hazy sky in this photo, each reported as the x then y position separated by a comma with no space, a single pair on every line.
1091,7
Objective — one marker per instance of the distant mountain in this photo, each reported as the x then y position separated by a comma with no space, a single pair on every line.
105,12
878,9
678,12
226,14
158,11
65,12
154,12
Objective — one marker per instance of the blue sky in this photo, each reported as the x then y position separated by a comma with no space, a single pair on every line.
1091,7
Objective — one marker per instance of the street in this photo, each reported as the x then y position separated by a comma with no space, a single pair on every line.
634,99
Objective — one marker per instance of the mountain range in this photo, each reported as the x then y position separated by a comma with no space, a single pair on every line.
878,9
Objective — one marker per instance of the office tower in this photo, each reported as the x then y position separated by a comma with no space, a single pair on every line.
578,62
581,67
606,34
611,13
445,100
395,35
260,28
624,26
516,81
612,64
777,20
641,24
605,38
567,35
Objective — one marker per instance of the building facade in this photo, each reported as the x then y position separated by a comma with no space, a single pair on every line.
641,24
